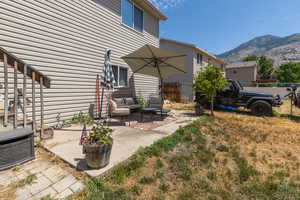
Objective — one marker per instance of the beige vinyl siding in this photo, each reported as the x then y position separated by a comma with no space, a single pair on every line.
66,40
206,61
186,80
246,75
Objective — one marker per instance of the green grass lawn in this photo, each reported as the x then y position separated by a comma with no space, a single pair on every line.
230,156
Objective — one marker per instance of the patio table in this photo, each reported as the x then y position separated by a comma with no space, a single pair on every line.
151,111
163,111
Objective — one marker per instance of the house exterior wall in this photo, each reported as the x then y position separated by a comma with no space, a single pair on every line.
67,40
186,80
246,75
206,61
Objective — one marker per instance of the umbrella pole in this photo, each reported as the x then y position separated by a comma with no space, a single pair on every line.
98,95
160,88
162,98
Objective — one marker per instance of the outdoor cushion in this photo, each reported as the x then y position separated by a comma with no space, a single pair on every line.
113,105
134,106
129,101
121,112
155,100
124,111
119,100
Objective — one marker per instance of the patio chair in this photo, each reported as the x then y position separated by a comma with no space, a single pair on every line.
131,103
128,101
119,110
156,102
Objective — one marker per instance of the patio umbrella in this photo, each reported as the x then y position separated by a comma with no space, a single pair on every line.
150,60
108,78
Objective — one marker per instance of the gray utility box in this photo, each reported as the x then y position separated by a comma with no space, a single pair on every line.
16,147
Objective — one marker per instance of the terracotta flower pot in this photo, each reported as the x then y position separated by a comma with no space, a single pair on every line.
97,155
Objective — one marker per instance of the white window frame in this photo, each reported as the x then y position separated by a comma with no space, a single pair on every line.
143,12
117,79
199,58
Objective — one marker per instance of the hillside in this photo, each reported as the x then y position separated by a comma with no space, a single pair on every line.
280,49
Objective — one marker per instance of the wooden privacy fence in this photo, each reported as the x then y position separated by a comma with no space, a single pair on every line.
172,92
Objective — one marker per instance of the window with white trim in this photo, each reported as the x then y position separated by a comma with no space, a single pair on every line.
121,76
132,15
199,58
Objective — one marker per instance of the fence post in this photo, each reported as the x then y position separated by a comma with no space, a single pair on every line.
16,103
33,104
42,106
5,91
25,96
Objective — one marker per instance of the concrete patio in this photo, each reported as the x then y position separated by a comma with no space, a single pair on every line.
127,141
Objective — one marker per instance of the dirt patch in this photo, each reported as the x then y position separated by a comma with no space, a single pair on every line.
7,192
231,156
286,108
43,154
187,107
270,144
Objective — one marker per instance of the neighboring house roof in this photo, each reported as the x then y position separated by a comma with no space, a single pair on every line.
242,64
196,48
149,7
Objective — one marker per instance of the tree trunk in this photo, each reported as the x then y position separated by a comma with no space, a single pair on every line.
212,106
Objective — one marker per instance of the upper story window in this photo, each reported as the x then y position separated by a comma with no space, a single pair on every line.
132,16
199,58
121,76
223,66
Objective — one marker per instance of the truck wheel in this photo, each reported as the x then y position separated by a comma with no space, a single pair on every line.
261,108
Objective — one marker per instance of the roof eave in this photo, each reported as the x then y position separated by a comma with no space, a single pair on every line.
148,6
196,48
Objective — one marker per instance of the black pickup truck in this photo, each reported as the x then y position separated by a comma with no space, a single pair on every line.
234,95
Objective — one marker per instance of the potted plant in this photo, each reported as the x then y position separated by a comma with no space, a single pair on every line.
97,143
97,147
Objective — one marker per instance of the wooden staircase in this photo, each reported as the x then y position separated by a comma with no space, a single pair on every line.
20,93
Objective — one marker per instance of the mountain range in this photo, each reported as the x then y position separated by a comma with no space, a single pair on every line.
279,49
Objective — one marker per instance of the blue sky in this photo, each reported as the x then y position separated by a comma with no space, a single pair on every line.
220,25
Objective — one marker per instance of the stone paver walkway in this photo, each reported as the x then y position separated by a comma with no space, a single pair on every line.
50,180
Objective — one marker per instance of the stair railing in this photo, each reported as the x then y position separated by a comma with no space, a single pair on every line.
9,60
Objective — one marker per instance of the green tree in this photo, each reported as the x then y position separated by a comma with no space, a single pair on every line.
265,67
210,81
251,58
289,73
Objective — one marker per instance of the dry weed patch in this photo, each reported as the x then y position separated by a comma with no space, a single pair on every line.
230,156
